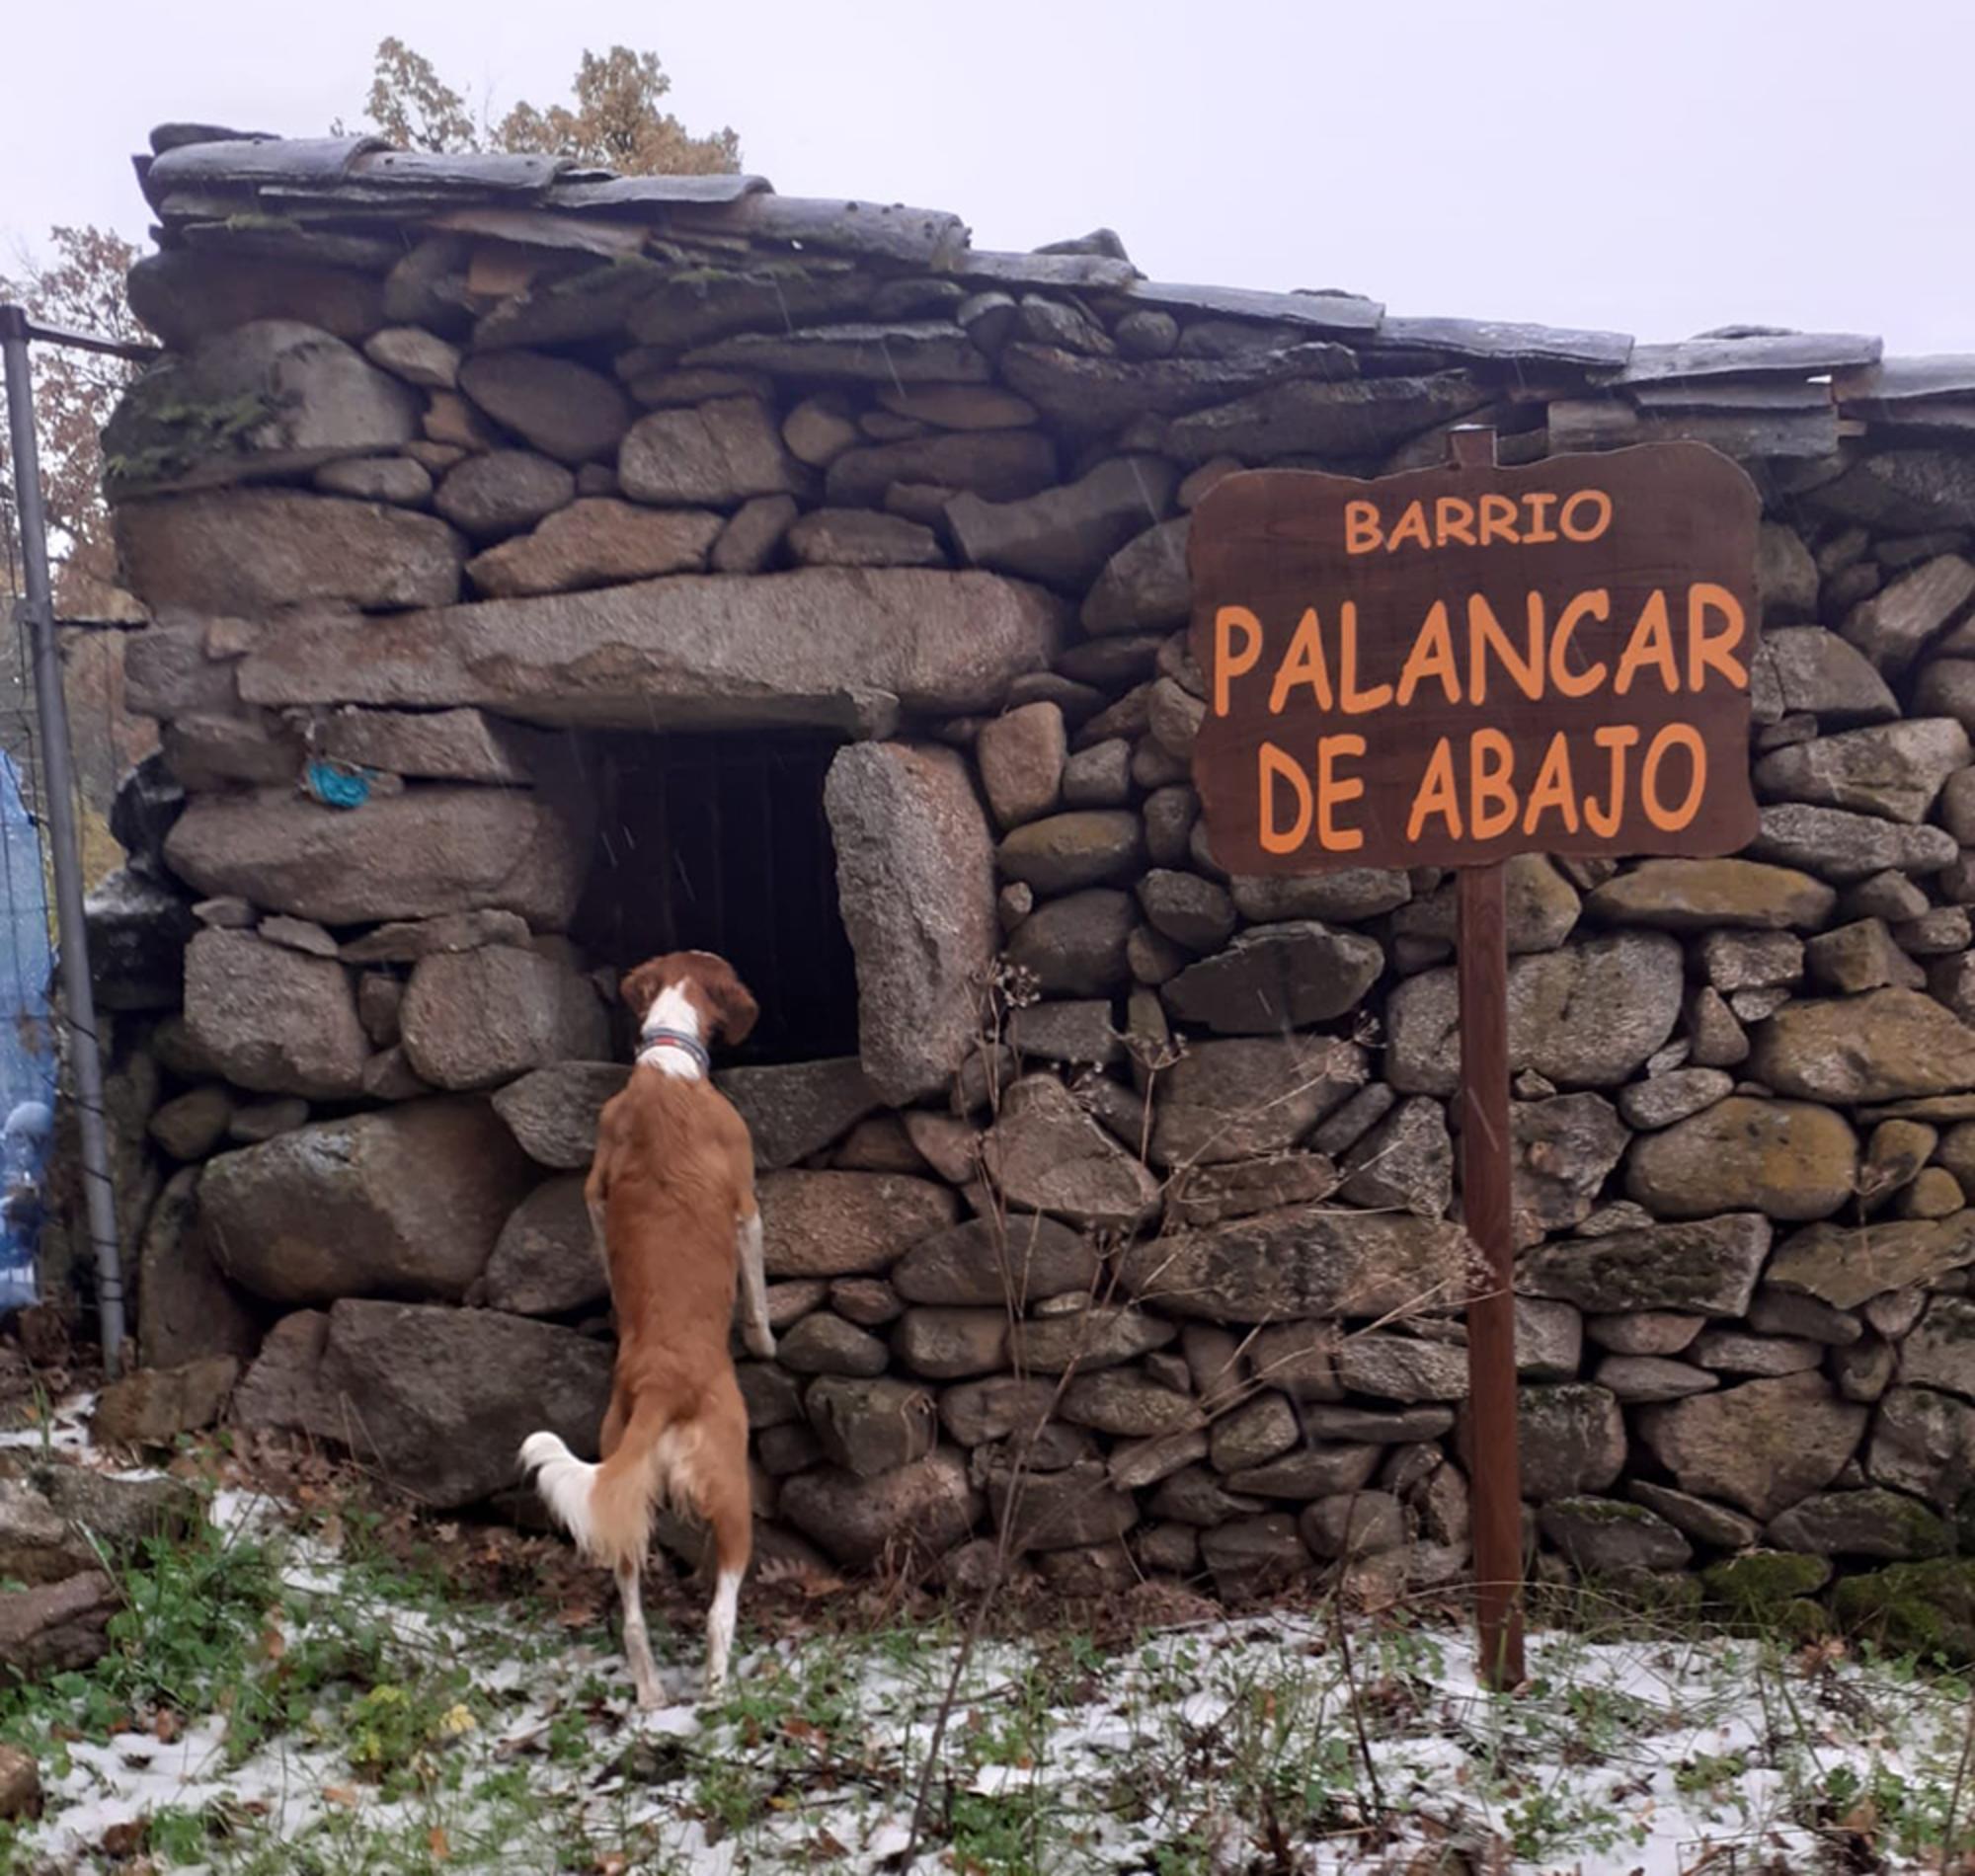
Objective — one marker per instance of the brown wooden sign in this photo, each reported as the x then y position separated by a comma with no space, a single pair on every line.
1453,666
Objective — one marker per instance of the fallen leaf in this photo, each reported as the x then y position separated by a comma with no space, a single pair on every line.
1863,1820
806,1579
1816,1655
436,1840
125,1839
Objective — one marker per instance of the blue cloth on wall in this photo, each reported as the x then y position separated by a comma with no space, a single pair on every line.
336,786
27,1065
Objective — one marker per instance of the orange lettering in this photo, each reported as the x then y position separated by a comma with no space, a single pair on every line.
1437,794
1674,736
1273,766
1498,518
1596,604
1485,632
1651,642
1552,788
1432,655
1361,534
1618,738
1601,504
1351,700
1303,664
1332,792
1228,664
1453,520
1539,533
1411,527
1489,790
1707,651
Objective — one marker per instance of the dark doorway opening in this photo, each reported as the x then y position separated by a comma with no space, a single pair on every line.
720,844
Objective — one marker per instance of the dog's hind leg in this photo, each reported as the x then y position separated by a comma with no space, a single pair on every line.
637,1642
607,1509
727,1503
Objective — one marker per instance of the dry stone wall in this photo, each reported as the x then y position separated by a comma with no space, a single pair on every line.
453,457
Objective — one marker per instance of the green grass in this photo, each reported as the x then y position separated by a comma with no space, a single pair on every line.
435,1732
183,1642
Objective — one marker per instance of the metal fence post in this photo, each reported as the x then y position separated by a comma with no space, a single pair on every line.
51,706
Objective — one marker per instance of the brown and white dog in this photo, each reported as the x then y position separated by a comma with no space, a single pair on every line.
671,1201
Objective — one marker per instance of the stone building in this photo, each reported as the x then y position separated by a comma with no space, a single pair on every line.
545,568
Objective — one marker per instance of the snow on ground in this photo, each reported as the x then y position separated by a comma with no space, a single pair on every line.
64,1428
348,1716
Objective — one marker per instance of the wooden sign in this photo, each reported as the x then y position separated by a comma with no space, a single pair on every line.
1457,665
1449,667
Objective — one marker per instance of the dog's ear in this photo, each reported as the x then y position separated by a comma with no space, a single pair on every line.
640,989
734,1005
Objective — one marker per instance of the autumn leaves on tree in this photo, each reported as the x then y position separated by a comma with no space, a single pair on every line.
618,122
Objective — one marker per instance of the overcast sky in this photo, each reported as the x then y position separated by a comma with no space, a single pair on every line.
1658,167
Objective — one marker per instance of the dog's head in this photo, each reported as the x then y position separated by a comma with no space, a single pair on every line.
701,984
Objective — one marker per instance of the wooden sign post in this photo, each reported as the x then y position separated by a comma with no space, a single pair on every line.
1452,667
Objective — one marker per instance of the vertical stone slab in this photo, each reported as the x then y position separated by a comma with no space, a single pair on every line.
915,881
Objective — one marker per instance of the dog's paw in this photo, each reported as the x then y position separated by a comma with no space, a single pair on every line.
760,1342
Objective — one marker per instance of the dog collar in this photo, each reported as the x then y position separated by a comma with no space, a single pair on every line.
655,1039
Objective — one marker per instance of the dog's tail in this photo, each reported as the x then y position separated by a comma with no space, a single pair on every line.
607,1509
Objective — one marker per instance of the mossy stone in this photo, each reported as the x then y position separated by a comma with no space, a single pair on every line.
1926,1534
1922,1609
1665,1595
1803,1621
1760,1587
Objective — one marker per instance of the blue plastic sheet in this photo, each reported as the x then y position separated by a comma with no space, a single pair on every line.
27,1041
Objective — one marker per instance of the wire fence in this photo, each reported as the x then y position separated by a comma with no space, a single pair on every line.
105,739
40,1172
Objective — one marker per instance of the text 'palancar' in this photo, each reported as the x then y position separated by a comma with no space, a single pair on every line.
1465,654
